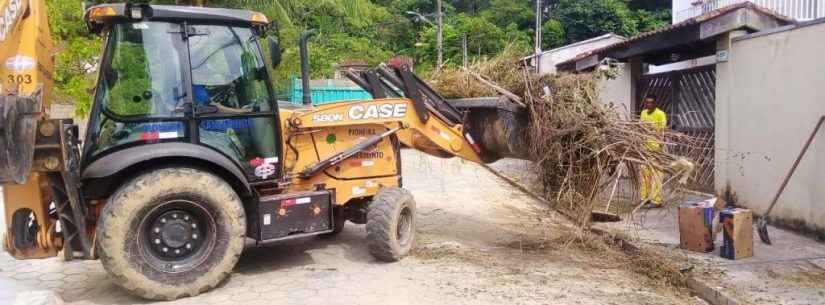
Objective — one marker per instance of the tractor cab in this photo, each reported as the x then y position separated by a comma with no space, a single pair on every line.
183,158
182,82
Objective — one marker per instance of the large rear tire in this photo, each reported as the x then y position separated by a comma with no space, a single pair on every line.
171,233
391,224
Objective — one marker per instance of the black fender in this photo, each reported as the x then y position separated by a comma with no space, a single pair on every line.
102,176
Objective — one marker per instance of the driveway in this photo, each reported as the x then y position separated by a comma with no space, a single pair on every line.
480,242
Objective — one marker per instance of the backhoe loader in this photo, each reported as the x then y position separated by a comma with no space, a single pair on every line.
187,153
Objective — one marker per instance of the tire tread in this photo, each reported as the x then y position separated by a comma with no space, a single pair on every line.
146,288
381,216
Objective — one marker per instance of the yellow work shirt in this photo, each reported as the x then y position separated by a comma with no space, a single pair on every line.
658,120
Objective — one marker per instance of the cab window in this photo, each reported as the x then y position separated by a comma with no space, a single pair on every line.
233,104
143,77
141,86
227,70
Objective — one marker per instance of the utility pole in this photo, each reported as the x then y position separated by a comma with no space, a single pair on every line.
538,37
439,36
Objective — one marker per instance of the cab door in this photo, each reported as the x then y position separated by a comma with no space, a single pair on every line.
234,107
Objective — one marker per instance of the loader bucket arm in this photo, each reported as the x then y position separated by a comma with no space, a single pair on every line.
494,126
433,136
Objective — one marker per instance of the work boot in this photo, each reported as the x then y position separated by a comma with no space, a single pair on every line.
651,205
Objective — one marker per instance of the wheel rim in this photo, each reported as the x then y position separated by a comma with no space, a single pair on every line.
405,227
177,236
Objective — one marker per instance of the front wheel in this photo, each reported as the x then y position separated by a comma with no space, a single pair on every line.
391,224
171,233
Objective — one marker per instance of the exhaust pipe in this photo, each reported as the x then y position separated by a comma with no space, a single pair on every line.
302,45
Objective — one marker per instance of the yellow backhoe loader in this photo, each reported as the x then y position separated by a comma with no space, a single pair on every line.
187,152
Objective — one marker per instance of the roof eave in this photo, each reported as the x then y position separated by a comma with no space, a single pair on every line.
740,16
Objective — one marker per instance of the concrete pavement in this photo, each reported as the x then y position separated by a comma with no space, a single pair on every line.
480,242
789,272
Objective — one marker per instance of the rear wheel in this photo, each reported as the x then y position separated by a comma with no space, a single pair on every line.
171,233
391,224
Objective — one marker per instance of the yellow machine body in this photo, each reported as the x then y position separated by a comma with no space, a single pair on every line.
26,49
26,68
320,132
310,136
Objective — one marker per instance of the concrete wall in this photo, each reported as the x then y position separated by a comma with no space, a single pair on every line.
618,91
769,96
679,6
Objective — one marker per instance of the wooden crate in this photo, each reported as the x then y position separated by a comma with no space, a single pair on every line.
737,233
696,225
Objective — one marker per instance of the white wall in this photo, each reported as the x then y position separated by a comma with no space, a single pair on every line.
679,6
618,91
549,59
769,96
801,10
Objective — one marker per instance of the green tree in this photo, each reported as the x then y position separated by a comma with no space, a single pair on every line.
505,12
375,30
649,5
77,54
651,20
552,34
587,19
483,39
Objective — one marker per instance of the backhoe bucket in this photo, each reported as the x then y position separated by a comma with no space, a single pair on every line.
499,125
17,134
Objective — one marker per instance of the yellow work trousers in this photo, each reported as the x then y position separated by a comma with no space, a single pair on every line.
651,188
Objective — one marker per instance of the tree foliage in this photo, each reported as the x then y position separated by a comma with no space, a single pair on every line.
375,30
77,52
586,19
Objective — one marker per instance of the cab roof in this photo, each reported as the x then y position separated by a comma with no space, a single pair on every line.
99,17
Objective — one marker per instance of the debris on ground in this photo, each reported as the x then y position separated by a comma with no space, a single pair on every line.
577,142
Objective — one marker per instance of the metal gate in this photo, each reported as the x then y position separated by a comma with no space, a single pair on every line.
688,97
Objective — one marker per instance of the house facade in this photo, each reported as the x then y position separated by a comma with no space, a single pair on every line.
547,60
800,10
755,95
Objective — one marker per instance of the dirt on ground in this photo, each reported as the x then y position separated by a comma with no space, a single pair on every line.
480,241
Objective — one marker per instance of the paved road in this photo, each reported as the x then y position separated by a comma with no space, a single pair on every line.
480,242
794,264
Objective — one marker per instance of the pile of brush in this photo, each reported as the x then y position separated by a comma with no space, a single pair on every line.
580,146
461,83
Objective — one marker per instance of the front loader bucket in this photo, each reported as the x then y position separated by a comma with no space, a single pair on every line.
495,123
499,125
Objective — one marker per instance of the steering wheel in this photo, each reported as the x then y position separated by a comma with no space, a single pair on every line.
223,94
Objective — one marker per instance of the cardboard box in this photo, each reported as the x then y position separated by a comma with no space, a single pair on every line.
737,233
696,225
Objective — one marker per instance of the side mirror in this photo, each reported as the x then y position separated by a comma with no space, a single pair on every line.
274,51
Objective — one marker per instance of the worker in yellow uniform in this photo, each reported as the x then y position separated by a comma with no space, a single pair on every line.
655,120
